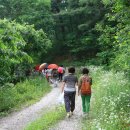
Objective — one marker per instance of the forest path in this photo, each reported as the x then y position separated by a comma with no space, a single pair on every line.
18,120
74,122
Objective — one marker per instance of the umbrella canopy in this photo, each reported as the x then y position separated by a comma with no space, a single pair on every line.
53,66
42,66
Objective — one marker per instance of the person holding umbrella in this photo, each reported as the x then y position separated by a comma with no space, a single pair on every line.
50,69
42,69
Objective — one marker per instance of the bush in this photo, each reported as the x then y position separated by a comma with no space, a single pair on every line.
24,92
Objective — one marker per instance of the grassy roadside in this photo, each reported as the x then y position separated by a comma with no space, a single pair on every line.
48,120
24,93
110,109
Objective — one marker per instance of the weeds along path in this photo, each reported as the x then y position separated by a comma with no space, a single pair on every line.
18,120
74,122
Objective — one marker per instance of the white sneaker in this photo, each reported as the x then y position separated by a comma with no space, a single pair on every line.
68,115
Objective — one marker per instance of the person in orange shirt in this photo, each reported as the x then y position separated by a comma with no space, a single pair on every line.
61,71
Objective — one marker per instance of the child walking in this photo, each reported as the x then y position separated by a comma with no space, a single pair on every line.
84,87
69,88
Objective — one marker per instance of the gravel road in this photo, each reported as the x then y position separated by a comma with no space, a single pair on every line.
18,120
72,123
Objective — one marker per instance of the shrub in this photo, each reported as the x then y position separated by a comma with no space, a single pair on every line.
24,92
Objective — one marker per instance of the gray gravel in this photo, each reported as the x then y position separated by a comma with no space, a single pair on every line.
74,122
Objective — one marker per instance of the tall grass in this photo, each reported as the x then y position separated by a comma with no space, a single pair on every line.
111,104
25,92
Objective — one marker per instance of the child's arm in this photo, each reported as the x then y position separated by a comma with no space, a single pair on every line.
79,85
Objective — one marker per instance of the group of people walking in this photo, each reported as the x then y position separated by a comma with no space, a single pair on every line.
54,75
70,81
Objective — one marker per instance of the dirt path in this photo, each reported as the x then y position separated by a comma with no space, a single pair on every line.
72,123
18,120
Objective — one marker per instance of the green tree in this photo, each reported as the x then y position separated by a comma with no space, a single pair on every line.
37,12
20,45
75,29
73,4
115,35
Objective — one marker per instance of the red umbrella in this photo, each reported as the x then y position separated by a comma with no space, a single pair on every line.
42,66
53,66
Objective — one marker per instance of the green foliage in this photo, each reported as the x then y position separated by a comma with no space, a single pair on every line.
73,4
48,120
106,43
20,45
35,12
108,40
25,92
115,36
76,26
122,37
82,29
11,49
37,43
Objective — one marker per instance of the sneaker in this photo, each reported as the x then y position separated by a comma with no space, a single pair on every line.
68,115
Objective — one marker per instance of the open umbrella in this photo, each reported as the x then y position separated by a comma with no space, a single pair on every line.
53,66
42,66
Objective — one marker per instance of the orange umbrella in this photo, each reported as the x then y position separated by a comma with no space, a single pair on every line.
53,66
42,66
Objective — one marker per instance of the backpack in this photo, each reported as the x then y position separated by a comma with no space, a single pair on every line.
60,70
85,86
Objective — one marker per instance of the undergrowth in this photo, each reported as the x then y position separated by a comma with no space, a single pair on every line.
110,108
23,93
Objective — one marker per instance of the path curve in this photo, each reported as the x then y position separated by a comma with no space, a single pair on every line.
18,120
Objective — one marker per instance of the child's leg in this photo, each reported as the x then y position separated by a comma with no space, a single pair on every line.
83,103
61,77
88,97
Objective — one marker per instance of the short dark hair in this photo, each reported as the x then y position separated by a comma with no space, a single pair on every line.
85,71
71,70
